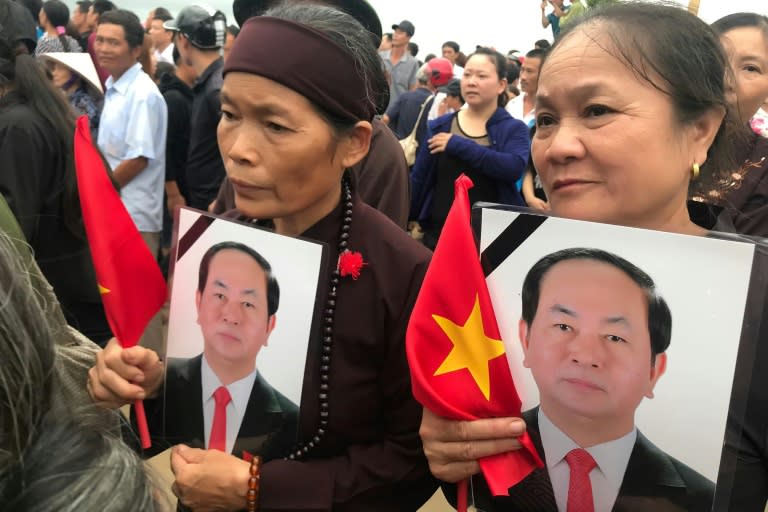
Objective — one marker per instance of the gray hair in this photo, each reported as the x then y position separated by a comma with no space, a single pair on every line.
347,32
51,460
423,74
27,353
72,466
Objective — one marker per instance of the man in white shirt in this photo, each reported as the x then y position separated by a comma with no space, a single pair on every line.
237,300
594,357
523,106
162,39
132,132
451,52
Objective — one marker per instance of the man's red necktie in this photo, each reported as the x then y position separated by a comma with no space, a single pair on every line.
580,486
218,440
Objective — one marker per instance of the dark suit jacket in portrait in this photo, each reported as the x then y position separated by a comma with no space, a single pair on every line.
268,428
653,481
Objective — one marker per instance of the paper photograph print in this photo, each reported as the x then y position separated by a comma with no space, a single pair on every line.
243,301
607,328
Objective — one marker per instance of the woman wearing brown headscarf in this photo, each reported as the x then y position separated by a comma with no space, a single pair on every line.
290,128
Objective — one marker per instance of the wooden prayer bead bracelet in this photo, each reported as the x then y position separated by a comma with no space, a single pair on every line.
254,483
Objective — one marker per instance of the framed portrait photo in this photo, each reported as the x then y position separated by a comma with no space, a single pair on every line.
631,345
243,303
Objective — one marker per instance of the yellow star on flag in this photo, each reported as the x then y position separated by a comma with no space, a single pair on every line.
472,349
103,291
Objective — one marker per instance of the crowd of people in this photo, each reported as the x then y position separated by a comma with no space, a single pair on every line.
605,124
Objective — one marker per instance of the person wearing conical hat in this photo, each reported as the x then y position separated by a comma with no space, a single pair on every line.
76,76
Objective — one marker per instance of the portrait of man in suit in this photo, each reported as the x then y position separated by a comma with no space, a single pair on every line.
219,399
594,333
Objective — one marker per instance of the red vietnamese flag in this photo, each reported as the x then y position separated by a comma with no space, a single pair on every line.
132,287
458,365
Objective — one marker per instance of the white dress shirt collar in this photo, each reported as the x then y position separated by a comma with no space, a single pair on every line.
516,108
612,459
126,79
166,55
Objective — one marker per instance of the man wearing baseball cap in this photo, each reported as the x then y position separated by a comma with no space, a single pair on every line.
200,32
399,63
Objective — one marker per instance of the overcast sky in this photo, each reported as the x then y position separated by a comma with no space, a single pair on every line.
504,24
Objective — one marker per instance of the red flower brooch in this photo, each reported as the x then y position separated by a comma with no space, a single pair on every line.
350,263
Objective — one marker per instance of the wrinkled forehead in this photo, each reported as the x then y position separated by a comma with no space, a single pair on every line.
603,46
590,40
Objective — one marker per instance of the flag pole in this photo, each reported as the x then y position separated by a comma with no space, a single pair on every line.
462,495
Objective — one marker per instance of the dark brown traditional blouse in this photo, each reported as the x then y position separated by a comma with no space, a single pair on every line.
371,457
748,203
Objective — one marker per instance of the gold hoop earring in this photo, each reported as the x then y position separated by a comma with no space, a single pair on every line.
695,171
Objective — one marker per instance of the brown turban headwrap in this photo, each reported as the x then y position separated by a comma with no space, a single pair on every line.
305,60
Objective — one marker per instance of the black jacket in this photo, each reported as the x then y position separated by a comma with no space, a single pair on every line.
178,98
269,424
205,169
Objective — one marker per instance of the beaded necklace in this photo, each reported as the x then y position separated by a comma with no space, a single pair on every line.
327,325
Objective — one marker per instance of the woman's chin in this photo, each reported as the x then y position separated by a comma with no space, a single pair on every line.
253,208
576,211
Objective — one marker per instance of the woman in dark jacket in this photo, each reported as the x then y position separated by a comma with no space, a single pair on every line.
482,141
37,179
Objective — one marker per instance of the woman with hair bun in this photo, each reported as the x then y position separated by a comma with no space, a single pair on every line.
54,17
